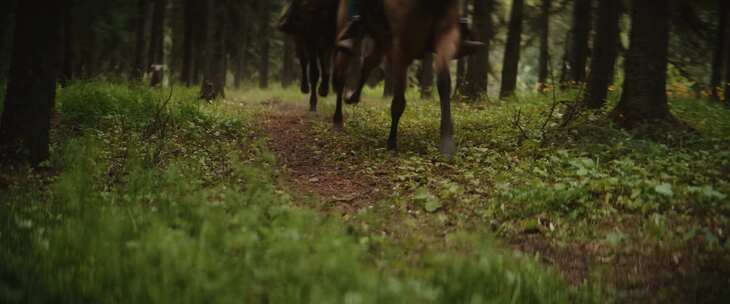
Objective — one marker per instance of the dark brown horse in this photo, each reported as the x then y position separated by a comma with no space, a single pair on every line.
405,30
314,24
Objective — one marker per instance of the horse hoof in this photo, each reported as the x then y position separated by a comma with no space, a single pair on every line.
352,100
324,91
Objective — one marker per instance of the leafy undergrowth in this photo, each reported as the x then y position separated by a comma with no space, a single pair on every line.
152,197
646,211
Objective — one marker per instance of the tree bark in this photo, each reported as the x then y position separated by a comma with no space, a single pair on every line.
727,54
461,62
426,76
512,50
31,89
241,62
287,67
157,38
604,55
644,96
264,44
478,66
68,54
201,36
186,76
581,32
215,79
544,60
140,43
718,61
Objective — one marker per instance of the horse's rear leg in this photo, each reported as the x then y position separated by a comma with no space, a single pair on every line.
398,72
304,64
313,79
447,41
371,61
325,64
342,61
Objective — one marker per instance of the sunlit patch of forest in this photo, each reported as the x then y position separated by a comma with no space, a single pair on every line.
180,151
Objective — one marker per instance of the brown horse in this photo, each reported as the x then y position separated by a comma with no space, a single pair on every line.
314,34
404,30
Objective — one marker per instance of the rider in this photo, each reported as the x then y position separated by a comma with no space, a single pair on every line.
354,31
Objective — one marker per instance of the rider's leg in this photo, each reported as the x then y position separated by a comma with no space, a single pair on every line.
354,29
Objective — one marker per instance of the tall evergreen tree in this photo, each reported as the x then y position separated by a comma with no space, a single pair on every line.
544,59
727,54
644,96
138,68
605,52
264,43
512,50
157,37
186,74
478,64
31,89
718,59
581,30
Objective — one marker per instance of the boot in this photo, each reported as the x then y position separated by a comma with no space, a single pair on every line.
350,35
466,46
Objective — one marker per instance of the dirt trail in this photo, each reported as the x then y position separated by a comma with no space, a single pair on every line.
306,166
310,166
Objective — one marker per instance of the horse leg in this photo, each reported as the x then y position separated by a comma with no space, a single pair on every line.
446,46
342,61
399,74
371,61
325,63
313,78
304,64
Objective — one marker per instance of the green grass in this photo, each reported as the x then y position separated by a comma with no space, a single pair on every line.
141,205
654,199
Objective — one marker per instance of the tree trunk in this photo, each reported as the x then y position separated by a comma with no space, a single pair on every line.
644,96
241,62
426,76
186,76
287,68
6,35
31,89
157,38
727,54
512,50
264,44
718,61
460,82
605,51
478,66
140,43
544,60
581,32
215,79
68,55
201,39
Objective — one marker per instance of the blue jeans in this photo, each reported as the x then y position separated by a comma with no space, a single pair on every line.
353,9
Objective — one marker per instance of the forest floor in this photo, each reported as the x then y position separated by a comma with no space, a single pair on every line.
152,197
595,209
